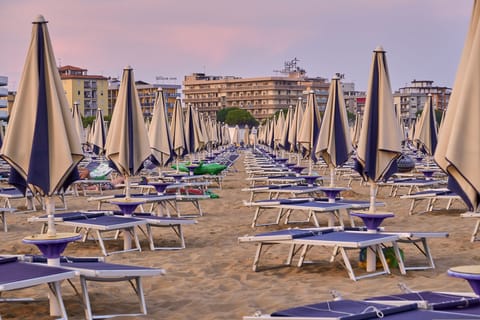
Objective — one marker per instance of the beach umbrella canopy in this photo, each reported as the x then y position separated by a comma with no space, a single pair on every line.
78,123
193,134
284,144
426,131
458,150
246,135
127,143
99,136
235,135
179,142
41,143
310,129
334,144
380,138
159,133
356,130
296,124
279,127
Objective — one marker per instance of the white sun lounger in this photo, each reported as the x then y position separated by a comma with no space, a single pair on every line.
16,275
96,270
431,195
301,241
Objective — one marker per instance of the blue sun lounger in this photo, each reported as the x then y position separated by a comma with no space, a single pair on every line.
16,275
96,270
302,240
364,310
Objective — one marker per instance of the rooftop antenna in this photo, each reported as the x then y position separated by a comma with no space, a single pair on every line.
290,67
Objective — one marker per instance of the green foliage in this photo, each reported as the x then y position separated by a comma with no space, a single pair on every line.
87,121
236,116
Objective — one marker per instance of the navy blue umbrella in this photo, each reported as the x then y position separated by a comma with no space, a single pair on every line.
41,143
310,129
380,138
99,134
426,130
127,143
334,143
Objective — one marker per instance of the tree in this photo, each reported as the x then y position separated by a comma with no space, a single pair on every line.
240,117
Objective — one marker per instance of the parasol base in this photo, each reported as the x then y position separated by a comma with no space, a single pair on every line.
470,273
332,192
127,206
160,186
52,246
372,220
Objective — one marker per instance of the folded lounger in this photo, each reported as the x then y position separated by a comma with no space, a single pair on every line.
362,310
15,275
95,270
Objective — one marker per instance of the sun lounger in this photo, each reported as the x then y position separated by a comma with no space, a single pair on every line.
98,223
164,222
476,229
3,217
11,193
358,309
431,195
16,275
286,190
411,184
95,270
301,241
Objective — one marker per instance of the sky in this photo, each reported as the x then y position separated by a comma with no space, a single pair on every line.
423,39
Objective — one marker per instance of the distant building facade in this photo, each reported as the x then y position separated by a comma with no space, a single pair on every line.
411,99
89,91
147,94
262,96
3,97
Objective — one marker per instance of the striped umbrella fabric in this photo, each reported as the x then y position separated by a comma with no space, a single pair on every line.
427,129
334,143
310,129
380,138
159,133
41,143
78,123
127,143
99,137
177,131
458,150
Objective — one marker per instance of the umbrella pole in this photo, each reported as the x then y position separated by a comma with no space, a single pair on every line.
332,176
310,166
127,186
373,196
50,209
177,163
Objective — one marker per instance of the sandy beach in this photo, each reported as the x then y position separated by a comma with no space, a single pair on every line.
212,277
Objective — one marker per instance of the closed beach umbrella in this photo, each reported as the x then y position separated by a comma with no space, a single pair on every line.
426,131
284,144
78,123
235,135
357,127
310,129
177,131
458,150
279,127
193,134
334,143
41,143
99,136
380,138
127,143
246,135
159,133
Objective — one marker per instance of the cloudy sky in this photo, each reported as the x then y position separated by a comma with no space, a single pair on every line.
247,38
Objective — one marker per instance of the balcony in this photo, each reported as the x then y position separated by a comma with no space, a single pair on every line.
3,81
3,92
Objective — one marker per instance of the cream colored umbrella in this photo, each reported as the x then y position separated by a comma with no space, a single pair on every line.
99,137
159,133
427,129
41,143
334,144
295,129
458,150
380,140
177,131
127,143
78,123
310,130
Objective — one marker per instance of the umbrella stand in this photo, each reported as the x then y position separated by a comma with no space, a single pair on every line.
332,176
127,186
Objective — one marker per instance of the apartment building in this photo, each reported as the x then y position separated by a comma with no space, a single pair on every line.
411,98
147,94
89,91
261,96
3,97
